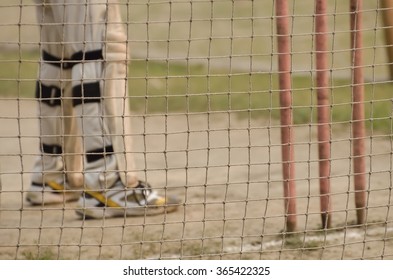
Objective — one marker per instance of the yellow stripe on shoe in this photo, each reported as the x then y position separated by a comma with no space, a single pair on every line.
55,186
103,199
161,201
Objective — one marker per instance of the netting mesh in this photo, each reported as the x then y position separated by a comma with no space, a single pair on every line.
204,93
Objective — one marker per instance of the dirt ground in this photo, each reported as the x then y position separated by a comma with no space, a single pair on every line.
226,170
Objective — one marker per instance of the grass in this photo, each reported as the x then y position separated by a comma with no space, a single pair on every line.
164,87
45,254
18,74
299,243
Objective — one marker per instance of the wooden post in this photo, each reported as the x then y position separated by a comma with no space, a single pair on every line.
358,126
284,66
387,17
323,102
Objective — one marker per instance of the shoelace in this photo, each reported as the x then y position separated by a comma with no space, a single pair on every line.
146,190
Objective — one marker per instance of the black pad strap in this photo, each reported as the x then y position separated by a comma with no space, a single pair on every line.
86,93
98,154
76,58
50,95
51,149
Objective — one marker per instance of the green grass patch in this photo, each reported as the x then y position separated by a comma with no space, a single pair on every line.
18,74
45,254
163,87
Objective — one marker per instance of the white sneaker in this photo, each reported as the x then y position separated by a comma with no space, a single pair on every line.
119,201
50,193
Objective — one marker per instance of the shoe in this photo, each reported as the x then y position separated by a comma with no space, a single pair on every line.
50,193
119,201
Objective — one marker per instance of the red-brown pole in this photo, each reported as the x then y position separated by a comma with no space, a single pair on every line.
284,67
387,17
323,101
358,126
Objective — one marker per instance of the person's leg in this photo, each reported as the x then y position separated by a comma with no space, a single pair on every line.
49,184
96,112
116,191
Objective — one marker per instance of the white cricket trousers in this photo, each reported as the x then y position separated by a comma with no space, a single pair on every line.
85,129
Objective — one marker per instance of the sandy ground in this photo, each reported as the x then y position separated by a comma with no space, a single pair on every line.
226,170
